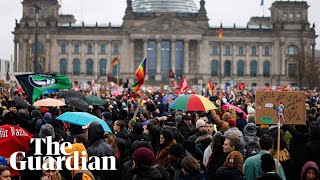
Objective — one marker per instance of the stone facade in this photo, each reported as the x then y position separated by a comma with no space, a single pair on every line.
258,54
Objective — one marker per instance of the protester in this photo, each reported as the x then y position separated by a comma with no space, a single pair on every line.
268,167
191,169
4,173
166,141
310,171
232,167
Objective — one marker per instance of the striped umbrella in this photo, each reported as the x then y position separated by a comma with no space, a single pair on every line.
192,102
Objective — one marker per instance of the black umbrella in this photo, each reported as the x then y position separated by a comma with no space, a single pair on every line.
68,94
18,101
78,103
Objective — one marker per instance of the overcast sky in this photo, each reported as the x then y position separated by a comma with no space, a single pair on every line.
104,11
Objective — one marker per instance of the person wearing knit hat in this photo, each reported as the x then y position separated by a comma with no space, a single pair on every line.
144,166
46,130
200,130
3,161
310,171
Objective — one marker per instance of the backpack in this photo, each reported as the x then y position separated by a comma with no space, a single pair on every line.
251,147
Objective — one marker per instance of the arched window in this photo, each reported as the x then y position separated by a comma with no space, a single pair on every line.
89,66
76,67
40,49
214,68
253,68
63,66
240,68
292,50
227,68
103,67
266,69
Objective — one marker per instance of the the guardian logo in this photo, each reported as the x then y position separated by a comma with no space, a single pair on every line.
80,160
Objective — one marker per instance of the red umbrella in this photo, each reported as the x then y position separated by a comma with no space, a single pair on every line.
14,139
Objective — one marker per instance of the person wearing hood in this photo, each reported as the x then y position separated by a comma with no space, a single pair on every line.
98,147
249,136
166,141
312,148
310,171
144,167
123,141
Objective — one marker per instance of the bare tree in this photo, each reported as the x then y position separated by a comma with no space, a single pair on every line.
306,71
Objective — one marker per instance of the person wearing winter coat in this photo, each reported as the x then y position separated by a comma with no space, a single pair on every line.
123,141
144,167
233,130
310,171
191,169
268,167
232,167
213,155
166,141
98,147
312,148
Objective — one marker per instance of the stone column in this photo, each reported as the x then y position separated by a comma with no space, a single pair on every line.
283,58
247,61
186,57
260,61
96,60
234,60
109,70
70,60
313,51
158,56
15,63
83,59
47,68
131,58
145,47
173,55
222,59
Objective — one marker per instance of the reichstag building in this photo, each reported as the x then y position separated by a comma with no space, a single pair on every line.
173,34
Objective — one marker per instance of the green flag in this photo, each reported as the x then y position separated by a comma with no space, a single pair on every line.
35,84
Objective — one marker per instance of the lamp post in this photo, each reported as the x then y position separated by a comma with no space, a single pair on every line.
37,67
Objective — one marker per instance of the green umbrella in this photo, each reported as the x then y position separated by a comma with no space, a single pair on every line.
95,100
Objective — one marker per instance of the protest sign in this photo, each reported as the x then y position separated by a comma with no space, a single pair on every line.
288,107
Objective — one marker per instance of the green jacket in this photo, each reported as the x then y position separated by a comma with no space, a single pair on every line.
252,167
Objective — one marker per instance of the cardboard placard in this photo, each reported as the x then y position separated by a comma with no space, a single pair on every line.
289,107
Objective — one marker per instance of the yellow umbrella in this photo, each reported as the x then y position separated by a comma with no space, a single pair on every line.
49,102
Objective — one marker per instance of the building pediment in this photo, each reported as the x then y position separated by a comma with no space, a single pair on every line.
167,25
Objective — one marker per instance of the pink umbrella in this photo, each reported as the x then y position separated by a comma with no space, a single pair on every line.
236,108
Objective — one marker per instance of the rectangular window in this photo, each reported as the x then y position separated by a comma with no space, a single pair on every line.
254,51
76,48
215,50
292,70
267,51
227,51
115,49
103,49
89,49
63,48
241,51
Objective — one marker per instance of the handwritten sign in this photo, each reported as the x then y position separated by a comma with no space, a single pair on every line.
286,107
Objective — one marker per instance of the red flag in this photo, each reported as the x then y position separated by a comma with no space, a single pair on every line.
241,86
184,85
171,74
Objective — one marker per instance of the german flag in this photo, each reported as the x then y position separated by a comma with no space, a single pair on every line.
115,61
220,33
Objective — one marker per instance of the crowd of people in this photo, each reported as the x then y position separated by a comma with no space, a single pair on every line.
162,143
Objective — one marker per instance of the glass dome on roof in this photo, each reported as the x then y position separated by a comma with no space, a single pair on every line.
181,6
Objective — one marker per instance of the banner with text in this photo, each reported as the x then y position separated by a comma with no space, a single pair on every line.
286,107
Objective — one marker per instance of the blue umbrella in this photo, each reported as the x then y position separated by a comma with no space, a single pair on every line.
82,119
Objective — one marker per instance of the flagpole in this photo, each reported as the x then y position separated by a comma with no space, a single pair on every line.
118,73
